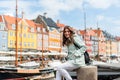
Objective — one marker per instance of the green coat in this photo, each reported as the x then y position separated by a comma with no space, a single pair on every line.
75,55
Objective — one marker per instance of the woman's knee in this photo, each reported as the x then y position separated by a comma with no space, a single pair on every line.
58,68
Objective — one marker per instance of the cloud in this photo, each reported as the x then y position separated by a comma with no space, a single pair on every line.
112,20
109,23
54,7
109,19
100,17
115,30
103,4
116,22
8,7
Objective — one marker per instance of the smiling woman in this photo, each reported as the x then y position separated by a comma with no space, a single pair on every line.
75,58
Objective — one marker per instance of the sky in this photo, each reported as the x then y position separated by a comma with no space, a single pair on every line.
103,14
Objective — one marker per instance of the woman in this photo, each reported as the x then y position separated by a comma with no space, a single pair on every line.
75,57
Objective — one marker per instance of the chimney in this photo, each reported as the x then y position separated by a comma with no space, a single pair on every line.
44,14
90,28
98,28
58,21
22,15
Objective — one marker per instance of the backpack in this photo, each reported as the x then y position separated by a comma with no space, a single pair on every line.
86,55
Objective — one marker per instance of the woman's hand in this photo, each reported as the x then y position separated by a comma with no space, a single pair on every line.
71,56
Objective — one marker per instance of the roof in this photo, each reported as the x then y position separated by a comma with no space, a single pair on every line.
90,31
98,32
1,19
108,35
49,22
31,24
10,20
82,32
60,25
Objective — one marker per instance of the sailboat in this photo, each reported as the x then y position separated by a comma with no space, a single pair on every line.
26,70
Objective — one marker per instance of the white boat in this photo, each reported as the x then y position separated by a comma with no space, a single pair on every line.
30,65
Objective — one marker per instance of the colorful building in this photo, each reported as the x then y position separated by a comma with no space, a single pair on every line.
94,40
53,32
86,35
111,44
54,38
44,34
3,35
26,37
42,38
101,42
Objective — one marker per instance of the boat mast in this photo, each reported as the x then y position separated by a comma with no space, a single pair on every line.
21,38
42,23
61,42
42,46
84,13
16,44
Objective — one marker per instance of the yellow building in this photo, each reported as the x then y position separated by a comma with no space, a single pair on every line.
26,36
114,48
54,40
111,48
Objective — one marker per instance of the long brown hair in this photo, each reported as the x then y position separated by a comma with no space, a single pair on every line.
67,41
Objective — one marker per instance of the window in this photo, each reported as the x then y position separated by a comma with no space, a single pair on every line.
20,35
28,35
39,36
25,44
3,45
20,44
28,44
43,29
2,25
38,29
13,26
11,42
32,29
32,36
4,36
32,44
44,36
25,28
39,44
24,35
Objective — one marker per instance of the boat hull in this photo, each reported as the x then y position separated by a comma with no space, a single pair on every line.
13,74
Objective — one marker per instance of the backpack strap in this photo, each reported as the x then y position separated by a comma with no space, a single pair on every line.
76,45
86,55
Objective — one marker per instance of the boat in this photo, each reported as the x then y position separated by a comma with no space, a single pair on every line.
23,73
25,70
31,69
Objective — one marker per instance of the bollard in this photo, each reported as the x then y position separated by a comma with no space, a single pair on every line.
87,73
